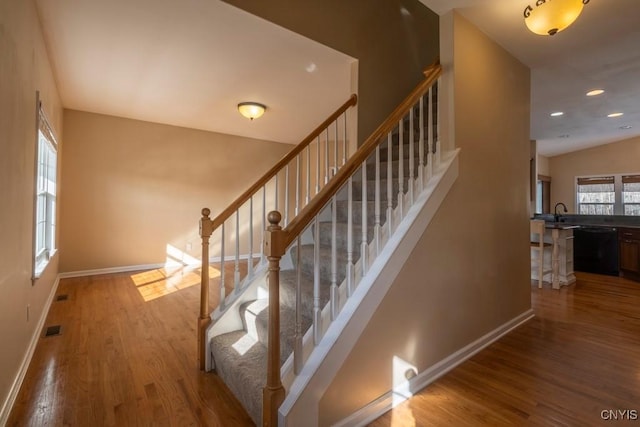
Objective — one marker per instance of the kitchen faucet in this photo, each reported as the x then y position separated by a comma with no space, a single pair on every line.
556,215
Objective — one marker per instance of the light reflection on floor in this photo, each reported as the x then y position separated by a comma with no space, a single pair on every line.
156,283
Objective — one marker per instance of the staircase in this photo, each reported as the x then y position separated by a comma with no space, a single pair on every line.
326,248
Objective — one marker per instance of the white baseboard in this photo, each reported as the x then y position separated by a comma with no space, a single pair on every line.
109,270
384,403
24,366
127,268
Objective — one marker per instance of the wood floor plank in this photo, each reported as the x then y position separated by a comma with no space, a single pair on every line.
126,357
579,356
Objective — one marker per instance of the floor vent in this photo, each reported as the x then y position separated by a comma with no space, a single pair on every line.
62,297
52,331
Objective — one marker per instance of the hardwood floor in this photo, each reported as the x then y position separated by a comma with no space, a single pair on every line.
127,357
578,357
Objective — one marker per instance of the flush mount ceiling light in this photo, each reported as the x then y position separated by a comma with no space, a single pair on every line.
595,92
548,17
251,110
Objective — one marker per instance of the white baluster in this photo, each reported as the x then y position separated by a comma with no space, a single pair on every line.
286,195
318,165
317,313
334,261
363,245
297,346
335,148
430,136
326,157
264,219
421,146
350,237
411,157
376,228
306,200
389,184
438,148
276,193
236,268
297,208
401,169
344,142
222,275
250,260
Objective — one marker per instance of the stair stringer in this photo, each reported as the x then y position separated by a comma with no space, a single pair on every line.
300,406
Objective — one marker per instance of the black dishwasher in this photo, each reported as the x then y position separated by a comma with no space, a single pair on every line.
595,250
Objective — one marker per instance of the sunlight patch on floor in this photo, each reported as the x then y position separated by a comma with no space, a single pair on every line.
179,272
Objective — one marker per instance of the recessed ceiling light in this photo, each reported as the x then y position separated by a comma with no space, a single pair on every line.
595,92
615,114
556,114
626,127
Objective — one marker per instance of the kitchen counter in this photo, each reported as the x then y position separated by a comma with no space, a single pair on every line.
561,235
560,225
611,221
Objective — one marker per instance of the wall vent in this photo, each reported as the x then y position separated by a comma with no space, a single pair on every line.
53,331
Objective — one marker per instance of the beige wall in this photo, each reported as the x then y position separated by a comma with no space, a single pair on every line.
24,69
133,187
469,273
616,158
543,165
389,67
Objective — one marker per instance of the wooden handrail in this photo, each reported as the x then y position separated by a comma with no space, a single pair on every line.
237,203
298,224
277,240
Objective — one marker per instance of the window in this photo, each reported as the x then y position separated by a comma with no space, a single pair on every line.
45,199
609,195
631,194
596,195
543,194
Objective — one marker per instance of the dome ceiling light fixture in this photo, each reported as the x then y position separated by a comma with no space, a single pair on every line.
548,17
251,110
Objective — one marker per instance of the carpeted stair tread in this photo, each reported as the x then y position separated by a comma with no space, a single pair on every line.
371,188
241,362
342,235
259,330
288,291
395,168
342,211
307,263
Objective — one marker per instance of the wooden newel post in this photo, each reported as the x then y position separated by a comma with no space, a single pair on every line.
273,393
206,229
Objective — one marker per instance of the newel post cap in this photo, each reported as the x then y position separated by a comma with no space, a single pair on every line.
274,236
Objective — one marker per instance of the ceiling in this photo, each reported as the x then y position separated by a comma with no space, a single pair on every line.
189,63
600,50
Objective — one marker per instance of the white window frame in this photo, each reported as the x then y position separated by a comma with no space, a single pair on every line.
618,204
630,178
45,190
